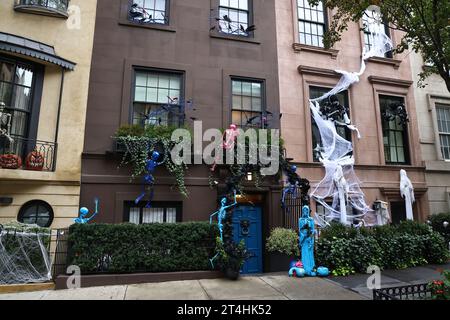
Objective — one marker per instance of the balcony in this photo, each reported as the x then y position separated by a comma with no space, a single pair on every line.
27,154
53,8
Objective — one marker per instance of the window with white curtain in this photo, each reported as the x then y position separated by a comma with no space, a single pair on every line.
139,214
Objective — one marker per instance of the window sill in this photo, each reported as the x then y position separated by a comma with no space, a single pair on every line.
387,61
298,47
153,26
217,35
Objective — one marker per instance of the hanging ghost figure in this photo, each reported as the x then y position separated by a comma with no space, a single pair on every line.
343,191
407,193
228,141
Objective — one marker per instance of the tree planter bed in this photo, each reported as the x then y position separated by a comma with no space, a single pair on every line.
98,280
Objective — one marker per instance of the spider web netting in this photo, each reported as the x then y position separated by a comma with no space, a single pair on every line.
340,182
24,257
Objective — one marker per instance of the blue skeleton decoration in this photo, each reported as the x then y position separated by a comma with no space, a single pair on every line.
221,214
84,212
293,182
306,242
148,179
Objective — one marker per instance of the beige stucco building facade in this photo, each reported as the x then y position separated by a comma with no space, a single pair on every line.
433,109
45,60
305,67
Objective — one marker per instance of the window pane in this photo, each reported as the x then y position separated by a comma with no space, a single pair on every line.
24,76
171,215
6,71
256,89
134,215
237,102
19,123
175,82
256,104
237,87
5,93
247,88
164,81
234,4
141,79
152,95
152,80
22,98
163,95
246,103
140,94
243,4
160,5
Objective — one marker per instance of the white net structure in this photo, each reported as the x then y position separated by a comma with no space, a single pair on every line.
24,254
336,153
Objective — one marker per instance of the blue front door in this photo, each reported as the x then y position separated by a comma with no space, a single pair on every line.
247,227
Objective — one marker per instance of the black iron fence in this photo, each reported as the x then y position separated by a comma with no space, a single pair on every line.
292,209
58,251
60,5
411,292
28,154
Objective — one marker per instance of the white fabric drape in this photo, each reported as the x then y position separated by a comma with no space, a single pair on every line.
407,193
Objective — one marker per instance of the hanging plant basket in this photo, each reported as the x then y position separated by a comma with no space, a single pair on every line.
10,161
34,161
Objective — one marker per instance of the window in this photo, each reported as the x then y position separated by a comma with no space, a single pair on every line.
370,17
238,16
394,134
16,91
149,11
247,101
157,98
36,212
158,213
443,119
311,23
344,132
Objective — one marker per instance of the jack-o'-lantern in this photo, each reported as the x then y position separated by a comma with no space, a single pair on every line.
34,161
10,161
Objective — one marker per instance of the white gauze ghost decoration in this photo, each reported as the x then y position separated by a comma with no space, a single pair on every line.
343,190
407,193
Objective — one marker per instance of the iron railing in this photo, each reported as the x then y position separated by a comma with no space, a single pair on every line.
292,210
33,154
410,292
58,252
57,5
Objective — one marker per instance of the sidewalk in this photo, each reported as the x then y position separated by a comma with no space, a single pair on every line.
264,287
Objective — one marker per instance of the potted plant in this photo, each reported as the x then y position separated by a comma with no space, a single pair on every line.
10,161
34,161
284,247
231,257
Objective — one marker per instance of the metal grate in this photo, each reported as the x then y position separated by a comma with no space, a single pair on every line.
58,251
411,292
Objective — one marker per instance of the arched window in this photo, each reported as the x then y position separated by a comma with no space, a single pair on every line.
36,212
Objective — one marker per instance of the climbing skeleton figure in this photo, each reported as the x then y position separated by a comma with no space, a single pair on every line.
407,193
343,191
5,123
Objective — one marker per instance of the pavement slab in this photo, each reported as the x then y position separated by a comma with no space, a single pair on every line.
245,288
176,290
37,295
94,293
310,288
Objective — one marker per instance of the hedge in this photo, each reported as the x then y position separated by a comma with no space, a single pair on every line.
437,222
129,248
346,250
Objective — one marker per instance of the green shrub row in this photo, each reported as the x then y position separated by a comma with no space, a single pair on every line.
129,248
346,250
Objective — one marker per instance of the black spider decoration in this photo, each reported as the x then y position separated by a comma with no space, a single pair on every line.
231,27
332,109
261,121
396,111
173,108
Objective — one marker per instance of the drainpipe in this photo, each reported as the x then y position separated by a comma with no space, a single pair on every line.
58,117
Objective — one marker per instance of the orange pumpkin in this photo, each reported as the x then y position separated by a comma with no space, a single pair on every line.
10,161
34,161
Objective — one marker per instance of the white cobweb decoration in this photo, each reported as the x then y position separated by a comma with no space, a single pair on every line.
24,257
340,183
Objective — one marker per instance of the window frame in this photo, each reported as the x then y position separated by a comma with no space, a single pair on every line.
36,92
263,97
405,132
181,74
216,7
325,24
36,203
348,132
387,31
178,206
440,133
166,12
